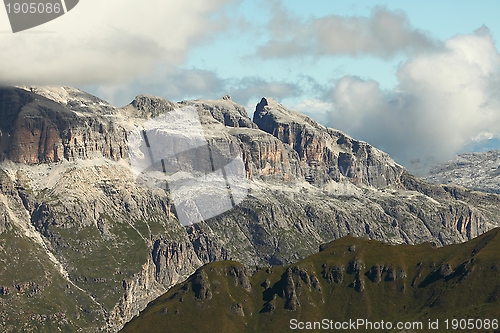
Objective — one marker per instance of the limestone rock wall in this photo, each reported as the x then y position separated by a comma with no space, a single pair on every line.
37,130
326,154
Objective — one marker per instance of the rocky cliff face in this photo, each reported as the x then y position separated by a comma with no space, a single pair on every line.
108,244
35,129
326,154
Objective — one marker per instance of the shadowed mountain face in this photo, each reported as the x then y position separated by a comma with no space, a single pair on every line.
349,279
35,129
101,244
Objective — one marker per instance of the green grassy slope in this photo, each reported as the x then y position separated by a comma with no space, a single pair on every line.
34,297
349,279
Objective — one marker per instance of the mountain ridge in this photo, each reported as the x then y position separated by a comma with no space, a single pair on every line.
121,242
349,279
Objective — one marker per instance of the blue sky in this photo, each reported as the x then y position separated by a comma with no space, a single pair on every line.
417,79
231,53
441,20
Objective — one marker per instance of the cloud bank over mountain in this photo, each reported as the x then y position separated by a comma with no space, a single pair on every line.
443,100
109,41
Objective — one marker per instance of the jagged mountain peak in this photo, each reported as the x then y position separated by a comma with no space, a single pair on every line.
270,107
325,153
223,110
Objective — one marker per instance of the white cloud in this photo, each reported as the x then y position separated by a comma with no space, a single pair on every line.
171,83
316,109
384,34
108,41
176,84
248,88
443,101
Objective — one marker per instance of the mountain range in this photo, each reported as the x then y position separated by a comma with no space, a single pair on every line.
86,246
